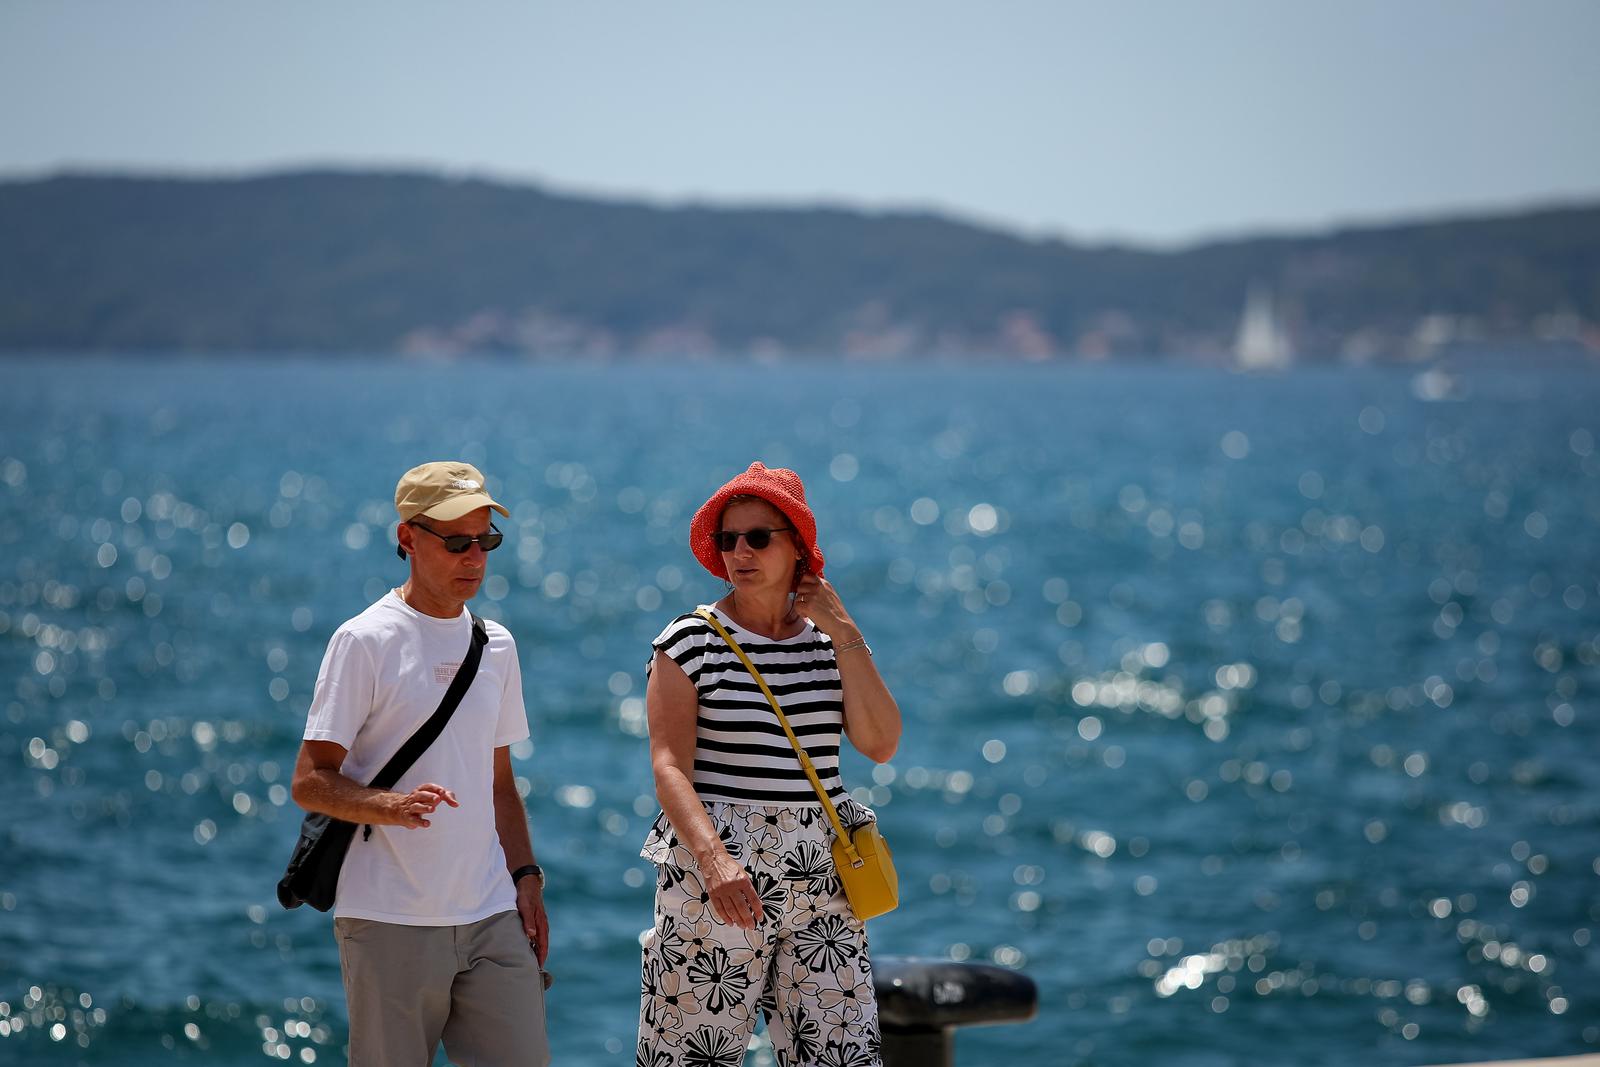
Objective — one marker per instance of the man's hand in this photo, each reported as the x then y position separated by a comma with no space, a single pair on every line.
412,809
530,906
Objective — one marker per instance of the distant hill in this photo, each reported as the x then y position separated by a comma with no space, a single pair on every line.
380,263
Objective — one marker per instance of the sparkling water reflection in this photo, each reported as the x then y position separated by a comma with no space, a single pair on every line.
1252,717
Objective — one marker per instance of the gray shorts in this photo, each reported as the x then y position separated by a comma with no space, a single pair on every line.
475,987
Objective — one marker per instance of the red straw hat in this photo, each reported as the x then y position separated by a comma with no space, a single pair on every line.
779,487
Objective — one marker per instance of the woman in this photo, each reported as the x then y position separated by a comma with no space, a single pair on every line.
750,915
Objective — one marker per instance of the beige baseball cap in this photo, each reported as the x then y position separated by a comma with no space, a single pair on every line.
442,490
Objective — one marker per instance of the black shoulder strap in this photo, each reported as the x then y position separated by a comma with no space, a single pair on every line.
429,731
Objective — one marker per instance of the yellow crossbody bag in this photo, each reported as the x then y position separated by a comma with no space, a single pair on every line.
862,858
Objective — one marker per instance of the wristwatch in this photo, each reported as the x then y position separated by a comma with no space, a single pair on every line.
522,872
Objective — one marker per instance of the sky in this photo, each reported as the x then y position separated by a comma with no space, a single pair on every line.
1155,123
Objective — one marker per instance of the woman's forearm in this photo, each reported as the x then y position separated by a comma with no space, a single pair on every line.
687,813
871,716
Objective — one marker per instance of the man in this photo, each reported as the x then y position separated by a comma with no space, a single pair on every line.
440,914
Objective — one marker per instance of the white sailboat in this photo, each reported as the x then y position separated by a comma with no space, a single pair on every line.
1262,344
1436,384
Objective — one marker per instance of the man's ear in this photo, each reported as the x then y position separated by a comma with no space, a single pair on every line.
406,537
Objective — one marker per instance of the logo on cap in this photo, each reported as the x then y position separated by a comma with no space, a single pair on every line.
465,483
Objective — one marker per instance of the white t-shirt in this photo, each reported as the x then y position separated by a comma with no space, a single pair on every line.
383,675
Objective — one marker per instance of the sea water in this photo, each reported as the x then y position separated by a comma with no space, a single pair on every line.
1254,718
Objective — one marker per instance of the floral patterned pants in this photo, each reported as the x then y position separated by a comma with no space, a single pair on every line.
804,969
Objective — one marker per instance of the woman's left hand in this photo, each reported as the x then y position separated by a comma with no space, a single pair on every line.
871,717
816,599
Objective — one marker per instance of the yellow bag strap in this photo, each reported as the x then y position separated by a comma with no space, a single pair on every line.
783,720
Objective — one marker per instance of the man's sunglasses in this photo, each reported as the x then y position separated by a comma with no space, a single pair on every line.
459,543
759,538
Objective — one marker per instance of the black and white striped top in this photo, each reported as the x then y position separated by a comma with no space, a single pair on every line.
741,753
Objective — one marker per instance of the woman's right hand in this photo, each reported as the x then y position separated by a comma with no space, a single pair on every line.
733,895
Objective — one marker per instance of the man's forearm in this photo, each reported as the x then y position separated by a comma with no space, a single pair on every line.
331,793
511,823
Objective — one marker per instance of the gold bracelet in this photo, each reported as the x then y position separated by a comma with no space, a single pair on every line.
860,642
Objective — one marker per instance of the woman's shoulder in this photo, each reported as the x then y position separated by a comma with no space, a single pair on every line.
687,625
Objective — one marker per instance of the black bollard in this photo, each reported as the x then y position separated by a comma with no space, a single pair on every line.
921,1002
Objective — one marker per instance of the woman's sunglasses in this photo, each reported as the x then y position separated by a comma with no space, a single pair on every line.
759,538
459,543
